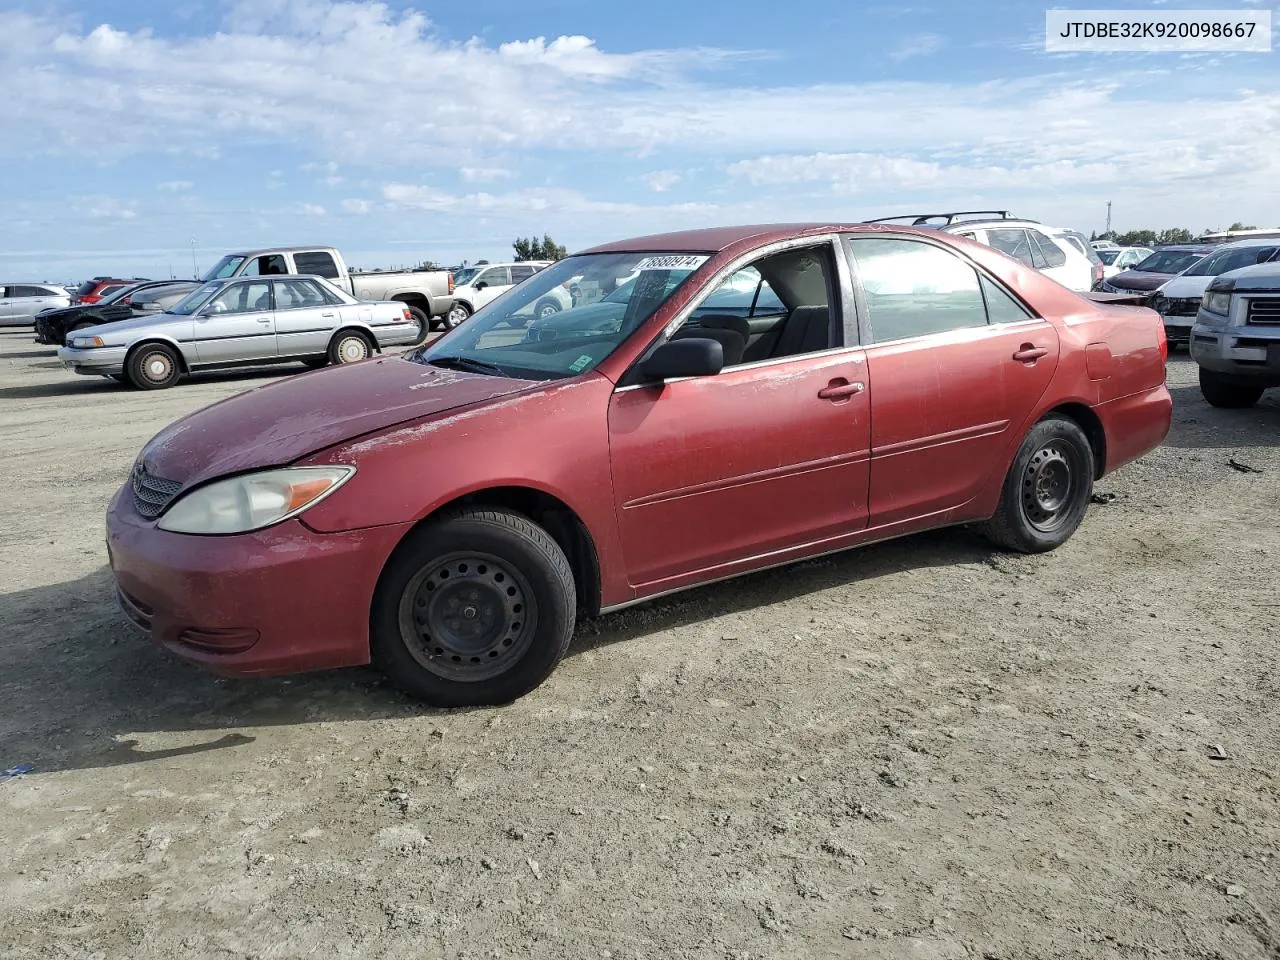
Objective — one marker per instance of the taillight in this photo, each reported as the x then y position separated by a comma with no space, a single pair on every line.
451,282
1098,273
1163,340
407,315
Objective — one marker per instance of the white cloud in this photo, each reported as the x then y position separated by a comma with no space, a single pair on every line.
921,45
660,181
355,206
485,174
104,208
175,186
311,210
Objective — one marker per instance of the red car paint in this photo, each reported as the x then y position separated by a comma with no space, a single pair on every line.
687,483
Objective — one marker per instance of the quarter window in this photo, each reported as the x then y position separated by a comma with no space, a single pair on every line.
1001,308
1050,252
913,289
318,263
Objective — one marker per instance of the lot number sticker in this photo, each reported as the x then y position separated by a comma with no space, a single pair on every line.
681,261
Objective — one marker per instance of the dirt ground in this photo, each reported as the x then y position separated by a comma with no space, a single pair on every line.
923,750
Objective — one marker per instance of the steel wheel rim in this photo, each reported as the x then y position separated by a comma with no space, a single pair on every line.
547,310
456,316
468,616
1050,485
352,349
156,367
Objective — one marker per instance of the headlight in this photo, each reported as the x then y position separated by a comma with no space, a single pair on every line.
1217,301
253,501
84,343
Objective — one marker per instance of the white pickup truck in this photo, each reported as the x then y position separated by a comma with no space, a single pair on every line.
427,293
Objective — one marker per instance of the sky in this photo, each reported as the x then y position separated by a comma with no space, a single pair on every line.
141,136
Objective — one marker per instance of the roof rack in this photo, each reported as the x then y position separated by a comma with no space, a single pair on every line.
922,219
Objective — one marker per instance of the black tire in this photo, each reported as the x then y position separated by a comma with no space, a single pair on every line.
1222,391
422,320
153,366
117,377
342,347
517,616
458,313
1046,492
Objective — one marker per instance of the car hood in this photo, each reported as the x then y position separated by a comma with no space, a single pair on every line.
68,313
1138,280
135,323
1181,287
288,419
1261,276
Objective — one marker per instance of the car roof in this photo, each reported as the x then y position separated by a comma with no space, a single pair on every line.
715,239
1245,244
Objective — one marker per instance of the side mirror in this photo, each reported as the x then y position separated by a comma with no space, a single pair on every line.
482,284
692,357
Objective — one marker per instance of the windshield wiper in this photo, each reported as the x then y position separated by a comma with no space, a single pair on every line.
471,366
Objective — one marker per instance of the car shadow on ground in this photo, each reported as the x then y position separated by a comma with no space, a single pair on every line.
84,385
84,690
1215,428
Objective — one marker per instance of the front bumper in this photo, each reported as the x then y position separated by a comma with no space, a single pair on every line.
1243,352
98,361
1177,328
281,600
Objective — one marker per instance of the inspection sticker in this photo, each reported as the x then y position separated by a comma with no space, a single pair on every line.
580,364
679,261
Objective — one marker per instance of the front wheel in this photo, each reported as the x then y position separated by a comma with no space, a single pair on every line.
153,366
457,313
473,609
1221,391
1046,491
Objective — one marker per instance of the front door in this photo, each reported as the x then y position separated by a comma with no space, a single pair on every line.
238,324
956,368
496,283
718,472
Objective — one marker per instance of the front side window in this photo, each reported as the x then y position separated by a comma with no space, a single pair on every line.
318,263
616,294
493,277
242,298
1015,243
913,289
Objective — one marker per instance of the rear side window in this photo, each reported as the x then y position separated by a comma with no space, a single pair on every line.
86,288
522,272
32,292
1050,251
913,289
319,263
271,265
1001,308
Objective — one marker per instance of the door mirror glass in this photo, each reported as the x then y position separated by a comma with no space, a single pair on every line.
691,357
481,284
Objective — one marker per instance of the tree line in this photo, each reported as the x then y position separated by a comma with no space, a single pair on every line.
1150,238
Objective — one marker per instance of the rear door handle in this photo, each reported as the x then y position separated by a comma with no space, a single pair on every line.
1030,353
840,389
327,316
264,319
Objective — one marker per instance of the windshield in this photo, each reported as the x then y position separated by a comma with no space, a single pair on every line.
1224,260
224,268
1168,261
194,300
1108,256
464,275
566,318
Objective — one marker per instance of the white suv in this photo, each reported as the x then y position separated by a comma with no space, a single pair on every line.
1062,254
487,284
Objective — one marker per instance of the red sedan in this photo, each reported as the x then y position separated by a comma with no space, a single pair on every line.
710,403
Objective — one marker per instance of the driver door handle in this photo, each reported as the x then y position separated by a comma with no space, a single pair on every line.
840,389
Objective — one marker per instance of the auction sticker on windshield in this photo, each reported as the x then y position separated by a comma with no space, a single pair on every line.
681,261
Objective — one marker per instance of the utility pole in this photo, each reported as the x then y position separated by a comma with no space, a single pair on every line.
1108,230
196,269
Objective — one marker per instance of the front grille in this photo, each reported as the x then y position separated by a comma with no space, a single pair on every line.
1264,311
151,494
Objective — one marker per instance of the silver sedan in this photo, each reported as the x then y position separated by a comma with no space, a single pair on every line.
242,321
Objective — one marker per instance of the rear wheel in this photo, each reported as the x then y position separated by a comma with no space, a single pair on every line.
153,366
475,608
1046,491
457,313
422,320
350,346
1222,391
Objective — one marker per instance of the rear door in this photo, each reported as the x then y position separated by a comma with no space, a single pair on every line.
237,325
956,366
304,318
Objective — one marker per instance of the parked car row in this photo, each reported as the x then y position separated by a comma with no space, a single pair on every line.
136,299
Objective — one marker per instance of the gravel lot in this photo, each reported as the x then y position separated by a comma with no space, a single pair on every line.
921,750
